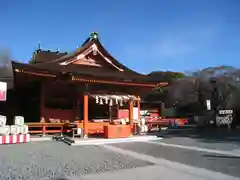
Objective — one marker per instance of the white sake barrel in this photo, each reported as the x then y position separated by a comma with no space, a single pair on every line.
145,128
19,120
79,131
123,121
3,120
25,129
4,130
15,129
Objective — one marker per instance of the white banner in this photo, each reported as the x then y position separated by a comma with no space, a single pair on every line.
3,91
135,113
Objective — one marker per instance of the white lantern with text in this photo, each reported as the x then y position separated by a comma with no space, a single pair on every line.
208,103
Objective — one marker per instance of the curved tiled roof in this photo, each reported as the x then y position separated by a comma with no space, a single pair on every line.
82,71
50,62
53,58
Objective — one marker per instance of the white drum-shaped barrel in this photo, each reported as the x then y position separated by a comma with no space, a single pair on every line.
3,120
4,130
19,120
145,128
143,121
23,129
15,129
126,120
123,121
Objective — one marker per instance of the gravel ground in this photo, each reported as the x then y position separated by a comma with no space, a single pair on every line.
214,162
56,160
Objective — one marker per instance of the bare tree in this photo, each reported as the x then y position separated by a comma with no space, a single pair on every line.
197,87
160,94
6,72
5,57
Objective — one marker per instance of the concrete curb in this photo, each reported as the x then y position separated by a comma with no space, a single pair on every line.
39,139
89,142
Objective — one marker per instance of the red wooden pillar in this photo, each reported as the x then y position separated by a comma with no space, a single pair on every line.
162,109
43,130
74,108
78,107
42,109
42,104
131,113
85,115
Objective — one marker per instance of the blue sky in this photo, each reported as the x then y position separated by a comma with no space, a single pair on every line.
145,35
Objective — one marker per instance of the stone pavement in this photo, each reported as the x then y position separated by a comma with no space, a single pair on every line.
214,144
163,169
232,152
211,139
227,164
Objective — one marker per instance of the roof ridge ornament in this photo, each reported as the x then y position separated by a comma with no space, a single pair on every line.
39,45
94,35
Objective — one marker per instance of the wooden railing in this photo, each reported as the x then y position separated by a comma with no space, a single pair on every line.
46,128
158,122
52,128
96,127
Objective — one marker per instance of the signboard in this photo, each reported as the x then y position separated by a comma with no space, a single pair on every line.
221,120
3,91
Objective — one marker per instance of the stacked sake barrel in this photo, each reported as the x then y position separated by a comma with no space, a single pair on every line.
142,127
14,134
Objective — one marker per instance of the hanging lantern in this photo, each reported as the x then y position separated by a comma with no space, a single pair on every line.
138,98
97,99
126,98
101,101
134,103
121,102
111,102
106,100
